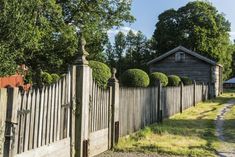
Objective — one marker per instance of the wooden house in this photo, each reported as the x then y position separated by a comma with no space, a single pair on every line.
186,63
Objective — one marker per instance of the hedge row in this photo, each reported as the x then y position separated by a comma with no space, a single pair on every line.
135,77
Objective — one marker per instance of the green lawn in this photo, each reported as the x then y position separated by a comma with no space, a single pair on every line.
189,134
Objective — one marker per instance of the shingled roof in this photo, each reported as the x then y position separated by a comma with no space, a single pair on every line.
181,48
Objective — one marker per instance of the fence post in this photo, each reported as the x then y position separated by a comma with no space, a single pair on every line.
209,90
159,104
80,109
11,140
203,96
3,107
113,83
194,93
181,97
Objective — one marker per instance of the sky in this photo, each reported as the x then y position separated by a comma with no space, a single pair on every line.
146,13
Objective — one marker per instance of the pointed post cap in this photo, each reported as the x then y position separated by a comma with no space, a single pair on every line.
82,53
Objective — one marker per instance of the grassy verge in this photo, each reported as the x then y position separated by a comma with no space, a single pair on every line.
189,134
229,133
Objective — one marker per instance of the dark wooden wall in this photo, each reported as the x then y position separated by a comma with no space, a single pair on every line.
192,67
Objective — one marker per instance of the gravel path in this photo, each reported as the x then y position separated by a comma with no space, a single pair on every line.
230,152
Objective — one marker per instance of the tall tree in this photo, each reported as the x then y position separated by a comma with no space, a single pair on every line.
95,17
119,51
35,33
197,26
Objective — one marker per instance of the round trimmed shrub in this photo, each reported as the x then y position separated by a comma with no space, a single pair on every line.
46,78
186,80
55,78
100,73
173,80
158,76
135,78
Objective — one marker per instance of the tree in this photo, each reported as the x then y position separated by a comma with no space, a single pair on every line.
199,27
7,62
95,18
138,51
110,56
119,51
35,33
129,51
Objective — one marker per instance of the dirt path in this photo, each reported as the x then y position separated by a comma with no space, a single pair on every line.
230,152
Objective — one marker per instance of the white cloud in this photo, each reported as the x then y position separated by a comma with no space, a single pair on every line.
232,35
124,30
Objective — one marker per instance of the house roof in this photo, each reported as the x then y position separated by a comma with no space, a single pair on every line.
232,80
181,48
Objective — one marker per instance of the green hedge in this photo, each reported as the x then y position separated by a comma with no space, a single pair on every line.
135,78
46,78
55,78
100,73
186,80
158,76
174,80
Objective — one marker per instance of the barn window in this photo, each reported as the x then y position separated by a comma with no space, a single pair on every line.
180,57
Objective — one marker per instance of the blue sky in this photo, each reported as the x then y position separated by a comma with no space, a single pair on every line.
146,13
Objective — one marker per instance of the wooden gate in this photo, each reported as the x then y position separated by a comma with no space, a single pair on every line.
99,119
39,125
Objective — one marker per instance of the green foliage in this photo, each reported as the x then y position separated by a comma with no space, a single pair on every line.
47,41
100,73
55,78
8,65
94,18
28,78
135,78
173,80
44,42
197,26
129,51
46,78
186,80
158,76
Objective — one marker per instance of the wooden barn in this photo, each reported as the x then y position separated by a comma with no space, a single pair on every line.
186,63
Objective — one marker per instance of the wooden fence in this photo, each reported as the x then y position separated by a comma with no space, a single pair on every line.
99,119
39,118
75,117
140,107
137,108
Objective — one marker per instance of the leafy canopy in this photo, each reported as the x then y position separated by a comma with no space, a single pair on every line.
94,18
197,26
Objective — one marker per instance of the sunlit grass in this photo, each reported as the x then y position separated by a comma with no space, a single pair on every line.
189,134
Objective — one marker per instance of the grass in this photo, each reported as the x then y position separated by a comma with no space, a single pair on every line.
191,133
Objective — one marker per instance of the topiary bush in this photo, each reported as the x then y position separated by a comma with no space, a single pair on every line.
46,78
100,73
135,78
173,80
186,80
55,78
158,76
